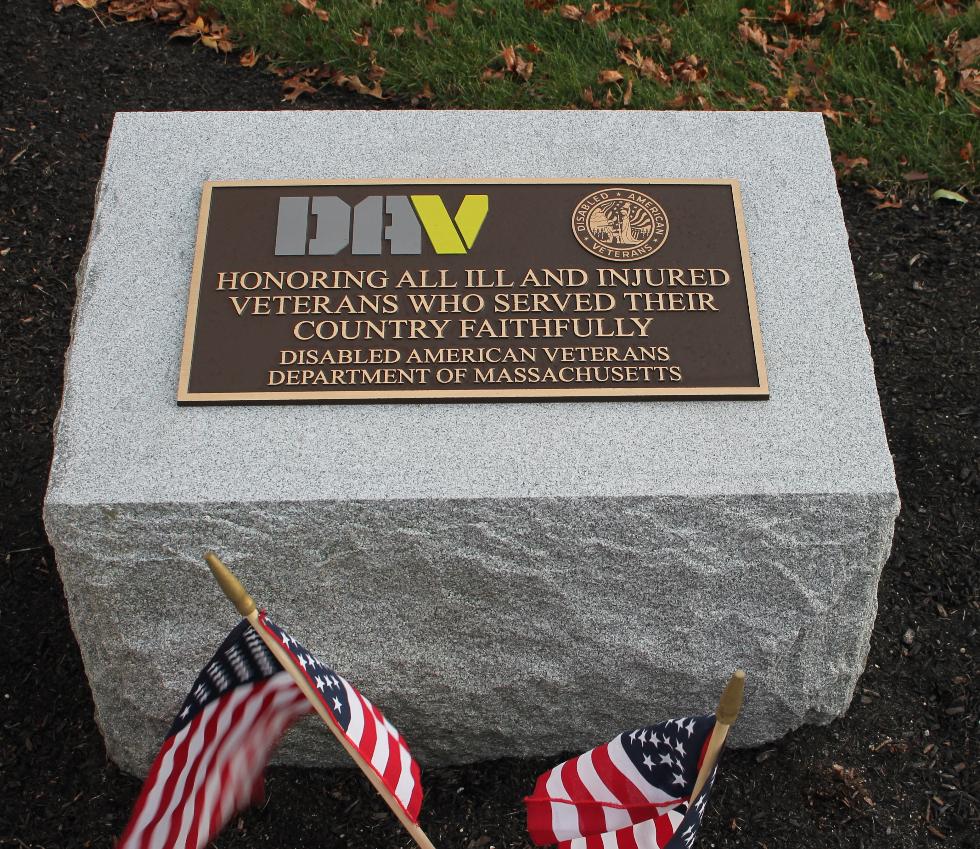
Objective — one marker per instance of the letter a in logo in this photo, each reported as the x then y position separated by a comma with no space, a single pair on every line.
451,235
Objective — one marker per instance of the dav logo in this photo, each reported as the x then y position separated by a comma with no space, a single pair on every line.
365,229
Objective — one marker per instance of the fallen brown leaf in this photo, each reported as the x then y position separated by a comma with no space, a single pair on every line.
940,88
968,51
296,86
609,76
354,83
914,176
216,41
970,84
447,10
816,18
690,69
882,11
597,14
509,61
425,34
787,15
375,72
847,165
654,71
900,61
628,94
248,58
831,114
754,35
192,30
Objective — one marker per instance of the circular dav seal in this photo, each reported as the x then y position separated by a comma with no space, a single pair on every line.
620,224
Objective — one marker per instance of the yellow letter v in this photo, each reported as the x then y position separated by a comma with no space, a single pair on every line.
441,229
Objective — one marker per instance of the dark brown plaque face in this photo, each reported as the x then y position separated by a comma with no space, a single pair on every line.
456,290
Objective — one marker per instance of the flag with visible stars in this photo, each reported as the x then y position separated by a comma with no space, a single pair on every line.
364,726
213,758
631,793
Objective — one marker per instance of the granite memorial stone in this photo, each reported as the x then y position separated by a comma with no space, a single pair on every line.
506,578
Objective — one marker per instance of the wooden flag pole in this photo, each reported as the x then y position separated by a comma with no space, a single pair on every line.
246,606
729,706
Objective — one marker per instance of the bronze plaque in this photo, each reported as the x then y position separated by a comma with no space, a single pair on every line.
467,290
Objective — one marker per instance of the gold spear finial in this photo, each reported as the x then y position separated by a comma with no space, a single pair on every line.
729,706
730,702
230,585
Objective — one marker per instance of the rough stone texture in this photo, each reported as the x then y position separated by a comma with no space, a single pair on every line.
505,579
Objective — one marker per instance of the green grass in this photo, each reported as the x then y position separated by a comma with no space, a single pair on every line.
898,123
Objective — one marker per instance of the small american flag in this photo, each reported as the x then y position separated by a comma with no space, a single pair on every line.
212,761
631,793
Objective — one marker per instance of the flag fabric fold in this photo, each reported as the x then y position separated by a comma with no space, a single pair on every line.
632,792
212,761
363,724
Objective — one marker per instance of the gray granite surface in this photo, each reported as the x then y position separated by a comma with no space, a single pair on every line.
505,578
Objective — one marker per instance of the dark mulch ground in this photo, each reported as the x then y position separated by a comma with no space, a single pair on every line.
899,771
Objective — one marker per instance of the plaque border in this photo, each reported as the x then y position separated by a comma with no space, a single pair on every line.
186,397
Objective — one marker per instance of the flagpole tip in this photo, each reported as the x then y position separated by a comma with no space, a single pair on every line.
730,702
230,585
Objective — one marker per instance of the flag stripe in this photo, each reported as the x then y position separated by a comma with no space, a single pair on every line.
217,732
614,817
149,799
629,837
166,779
161,833
590,817
564,818
355,731
228,740
240,753
649,833
653,833
628,792
365,727
664,830
224,737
